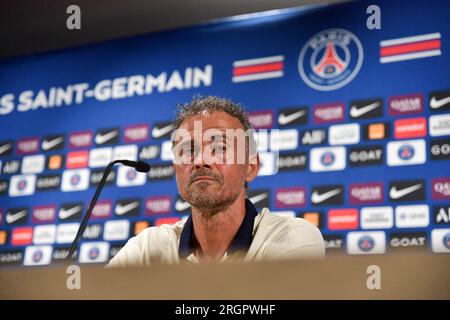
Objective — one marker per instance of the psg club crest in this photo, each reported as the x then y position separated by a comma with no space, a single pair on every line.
93,253
75,179
22,184
366,243
406,152
327,158
330,59
446,240
37,256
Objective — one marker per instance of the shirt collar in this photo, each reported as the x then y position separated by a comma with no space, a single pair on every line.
241,241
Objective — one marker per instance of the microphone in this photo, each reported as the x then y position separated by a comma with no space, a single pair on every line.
139,166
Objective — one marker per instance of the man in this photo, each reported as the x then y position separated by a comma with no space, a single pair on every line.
214,159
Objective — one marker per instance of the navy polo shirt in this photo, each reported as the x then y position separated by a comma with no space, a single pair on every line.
241,241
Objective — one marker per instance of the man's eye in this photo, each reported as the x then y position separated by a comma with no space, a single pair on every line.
220,148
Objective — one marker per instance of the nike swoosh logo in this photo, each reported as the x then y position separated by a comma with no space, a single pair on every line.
396,194
47,145
318,198
159,132
436,104
181,205
11,218
284,119
358,112
5,148
258,198
121,210
102,138
66,213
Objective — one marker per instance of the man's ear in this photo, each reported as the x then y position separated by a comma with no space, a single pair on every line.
252,168
174,166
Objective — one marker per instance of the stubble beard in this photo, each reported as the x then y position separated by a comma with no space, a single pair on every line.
209,202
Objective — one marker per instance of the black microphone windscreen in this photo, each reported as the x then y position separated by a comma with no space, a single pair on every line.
142,166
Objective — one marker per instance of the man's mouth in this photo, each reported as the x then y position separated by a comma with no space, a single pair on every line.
204,178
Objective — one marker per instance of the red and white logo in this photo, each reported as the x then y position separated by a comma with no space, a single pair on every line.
162,221
81,139
258,69
136,133
330,59
410,128
290,197
408,48
343,219
157,205
77,159
22,236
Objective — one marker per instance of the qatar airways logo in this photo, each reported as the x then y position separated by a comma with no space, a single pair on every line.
107,89
290,197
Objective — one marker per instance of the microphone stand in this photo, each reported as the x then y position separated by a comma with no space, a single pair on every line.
91,207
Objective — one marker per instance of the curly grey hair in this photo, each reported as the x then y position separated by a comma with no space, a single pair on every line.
210,104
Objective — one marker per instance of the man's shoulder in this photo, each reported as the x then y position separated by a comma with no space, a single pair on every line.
273,220
153,244
289,237
163,231
286,228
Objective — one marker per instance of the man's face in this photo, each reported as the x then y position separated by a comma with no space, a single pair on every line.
210,176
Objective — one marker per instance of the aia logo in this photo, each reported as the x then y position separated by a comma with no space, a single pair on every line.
366,243
327,158
330,59
406,152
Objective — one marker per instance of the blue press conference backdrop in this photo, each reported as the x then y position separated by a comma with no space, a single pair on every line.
363,115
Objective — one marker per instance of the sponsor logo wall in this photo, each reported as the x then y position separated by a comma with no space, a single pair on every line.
362,149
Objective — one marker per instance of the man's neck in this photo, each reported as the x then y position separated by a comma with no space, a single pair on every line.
215,233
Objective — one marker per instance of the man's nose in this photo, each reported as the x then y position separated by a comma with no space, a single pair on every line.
203,158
